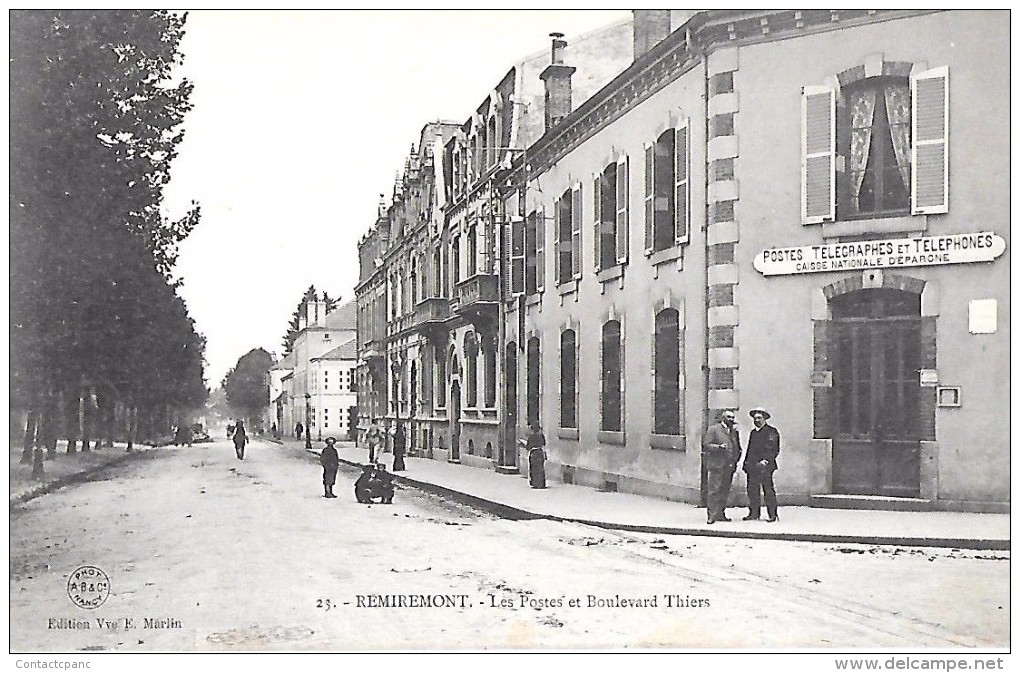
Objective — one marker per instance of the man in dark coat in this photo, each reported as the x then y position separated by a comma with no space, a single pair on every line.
721,453
299,430
399,446
760,464
330,462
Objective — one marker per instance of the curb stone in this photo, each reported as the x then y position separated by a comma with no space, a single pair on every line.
512,513
60,482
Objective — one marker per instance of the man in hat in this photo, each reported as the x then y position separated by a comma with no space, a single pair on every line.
759,464
721,453
330,462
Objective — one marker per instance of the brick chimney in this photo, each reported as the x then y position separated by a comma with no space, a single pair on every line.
557,83
651,26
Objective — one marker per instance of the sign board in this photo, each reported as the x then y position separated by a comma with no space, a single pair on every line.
891,253
929,378
983,316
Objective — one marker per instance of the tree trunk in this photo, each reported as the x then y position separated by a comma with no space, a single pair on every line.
37,464
111,419
71,424
131,416
84,422
30,428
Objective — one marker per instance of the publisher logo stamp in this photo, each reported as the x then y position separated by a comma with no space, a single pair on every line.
88,587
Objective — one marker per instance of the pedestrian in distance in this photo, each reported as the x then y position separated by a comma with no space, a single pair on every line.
330,462
299,430
399,447
760,464
230,429
536,456
240,439
373,438
720,454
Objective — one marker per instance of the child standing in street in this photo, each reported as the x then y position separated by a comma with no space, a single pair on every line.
330,462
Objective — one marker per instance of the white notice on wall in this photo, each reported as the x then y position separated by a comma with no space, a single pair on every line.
983,316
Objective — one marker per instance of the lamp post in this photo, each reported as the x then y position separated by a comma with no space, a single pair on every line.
308,421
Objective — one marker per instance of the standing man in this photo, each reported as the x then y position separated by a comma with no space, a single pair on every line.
374,438
721,453
759,464
330,462
299,430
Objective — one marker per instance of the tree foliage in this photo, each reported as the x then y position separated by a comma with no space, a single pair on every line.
95,122
246,385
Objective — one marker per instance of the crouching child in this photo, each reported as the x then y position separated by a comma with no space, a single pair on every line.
374,482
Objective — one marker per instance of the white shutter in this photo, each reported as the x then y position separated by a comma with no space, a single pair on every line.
575,230
517,250
557,228
818,161
597,193
929,120
540,249
681,173
649,197
622,224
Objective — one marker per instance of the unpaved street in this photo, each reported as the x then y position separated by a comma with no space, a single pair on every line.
228,555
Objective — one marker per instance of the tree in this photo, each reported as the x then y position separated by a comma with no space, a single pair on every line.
311,294
95,122
246,384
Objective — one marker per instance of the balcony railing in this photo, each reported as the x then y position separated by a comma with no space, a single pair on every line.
477,292
432,311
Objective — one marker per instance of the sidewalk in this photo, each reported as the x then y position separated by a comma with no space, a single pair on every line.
64,469
510,496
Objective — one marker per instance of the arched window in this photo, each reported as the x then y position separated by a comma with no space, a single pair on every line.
568,379
490,373
666,363
440,376
612,377
534,383
471,367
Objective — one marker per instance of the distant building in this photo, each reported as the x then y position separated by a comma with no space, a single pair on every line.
311,383
429,293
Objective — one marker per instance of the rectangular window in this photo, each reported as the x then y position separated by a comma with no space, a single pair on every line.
472,251
534,269
564,237
518,257
534,383
605,218
884,153
667,190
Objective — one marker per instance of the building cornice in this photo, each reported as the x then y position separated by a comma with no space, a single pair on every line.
676,55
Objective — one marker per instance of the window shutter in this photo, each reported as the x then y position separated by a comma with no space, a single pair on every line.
649,197
517,251
818,162
557,228
597,193
575,230
681,171
929,118
622,225
540,249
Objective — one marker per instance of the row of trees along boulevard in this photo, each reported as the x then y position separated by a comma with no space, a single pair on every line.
102,346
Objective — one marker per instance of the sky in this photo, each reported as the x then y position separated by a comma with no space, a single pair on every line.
301,120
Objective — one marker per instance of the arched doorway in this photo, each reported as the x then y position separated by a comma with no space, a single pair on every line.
508,453
412,412
455,420
877,356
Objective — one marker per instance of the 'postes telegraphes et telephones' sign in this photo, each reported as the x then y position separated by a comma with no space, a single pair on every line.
881,254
